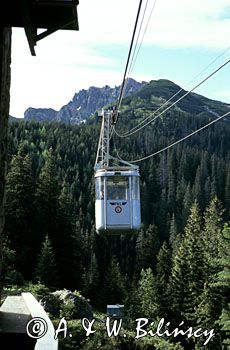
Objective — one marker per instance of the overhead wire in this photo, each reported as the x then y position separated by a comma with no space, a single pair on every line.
133,58
173,104
135,50
182,139
129,54
133,61
166,102
130,65
128,69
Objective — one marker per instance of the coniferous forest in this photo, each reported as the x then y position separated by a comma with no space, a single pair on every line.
176,267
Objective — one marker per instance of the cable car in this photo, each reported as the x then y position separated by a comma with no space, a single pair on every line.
117,202
117,189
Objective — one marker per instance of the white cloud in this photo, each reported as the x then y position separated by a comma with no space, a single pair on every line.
54,86
67,61
190,23
174,23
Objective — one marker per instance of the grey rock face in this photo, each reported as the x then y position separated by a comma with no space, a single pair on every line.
84,104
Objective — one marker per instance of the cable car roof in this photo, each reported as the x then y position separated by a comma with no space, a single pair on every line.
117,172
50,15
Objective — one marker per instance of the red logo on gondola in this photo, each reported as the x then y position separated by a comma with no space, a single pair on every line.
118,209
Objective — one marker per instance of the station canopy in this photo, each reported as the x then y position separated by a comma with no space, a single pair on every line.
32,15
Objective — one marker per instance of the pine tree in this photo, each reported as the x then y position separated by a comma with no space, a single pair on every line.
198,188
147,247
207,191
222,284
45,271
180,193
174,236
63,243
213,225
163,269
209,308
224,324
90,280
77,259
187,203
171,180
146,295
47,197
213,310
20,225
178,284
188,272
227,193
194,258
113,291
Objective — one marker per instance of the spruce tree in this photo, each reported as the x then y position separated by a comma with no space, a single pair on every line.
20,226
209,308
174,236
163,269
78,256
213,225
45,272
227,193
222,285
113,291
47,197
178,285
188,271
195,259
63,243
213,310
147,247
187,203
90,280
146,295
180,193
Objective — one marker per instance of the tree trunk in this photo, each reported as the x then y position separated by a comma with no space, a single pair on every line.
5,59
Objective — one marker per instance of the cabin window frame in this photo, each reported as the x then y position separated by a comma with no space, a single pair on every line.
99,188
118,188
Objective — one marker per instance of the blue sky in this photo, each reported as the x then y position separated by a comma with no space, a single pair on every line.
182,39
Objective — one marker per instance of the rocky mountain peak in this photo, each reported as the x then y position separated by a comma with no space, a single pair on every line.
83,104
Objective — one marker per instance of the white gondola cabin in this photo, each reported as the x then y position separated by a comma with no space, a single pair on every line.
117,190
117,202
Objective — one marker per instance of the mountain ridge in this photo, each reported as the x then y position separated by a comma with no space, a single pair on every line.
83,104
152,95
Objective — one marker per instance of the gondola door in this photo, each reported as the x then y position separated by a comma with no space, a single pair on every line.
118,213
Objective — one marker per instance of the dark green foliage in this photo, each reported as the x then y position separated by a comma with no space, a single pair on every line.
100,340
163,269
146,298
213,310
113,290
188,272
47,195
51,191
45,272
20,211
10,275
213,225
147,247
90,280
221,284
39,290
